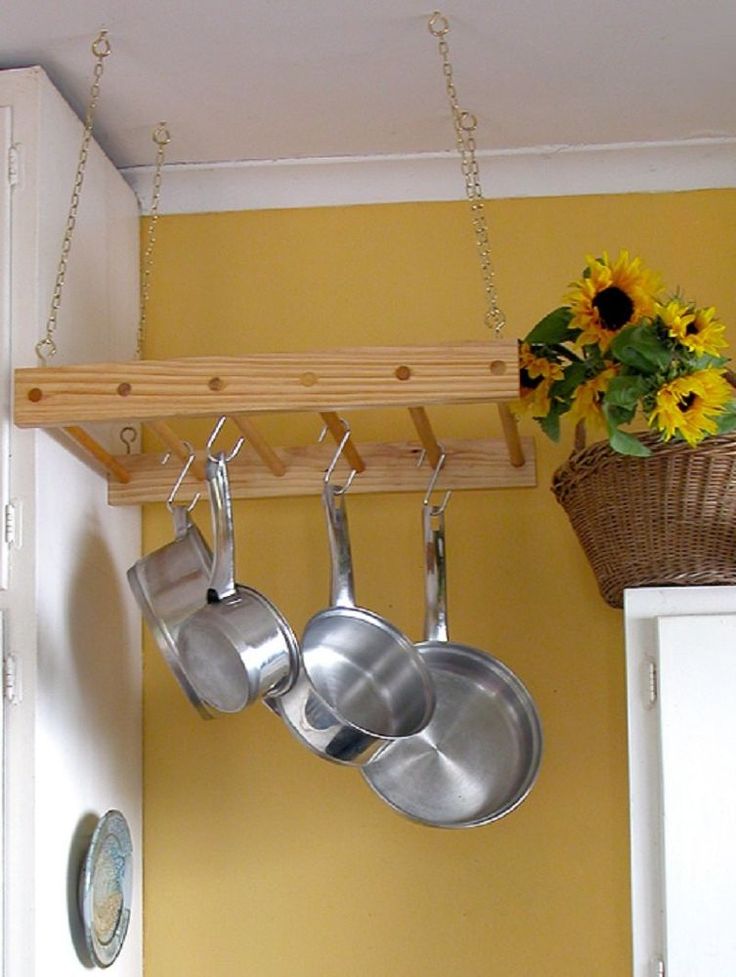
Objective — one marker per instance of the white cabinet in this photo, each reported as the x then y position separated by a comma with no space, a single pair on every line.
5,372
681,667
73,727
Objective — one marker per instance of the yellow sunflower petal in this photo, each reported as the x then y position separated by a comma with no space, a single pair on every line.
611,295
689,406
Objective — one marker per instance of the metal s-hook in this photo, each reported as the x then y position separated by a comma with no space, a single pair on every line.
336,457
436,510
213,437
182,475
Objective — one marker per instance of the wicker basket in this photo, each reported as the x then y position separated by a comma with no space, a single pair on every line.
665,520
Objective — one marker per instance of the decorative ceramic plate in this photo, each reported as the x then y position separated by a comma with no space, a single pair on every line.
105,888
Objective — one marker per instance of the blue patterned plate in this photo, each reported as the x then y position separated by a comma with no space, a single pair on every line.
105,888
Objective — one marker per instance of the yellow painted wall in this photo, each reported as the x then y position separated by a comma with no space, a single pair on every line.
264,860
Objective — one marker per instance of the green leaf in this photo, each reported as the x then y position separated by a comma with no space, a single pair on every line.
627,444
551,425
565,351
706,361
726,421
594,357
573,376
642,348
618,415
554,328
626,390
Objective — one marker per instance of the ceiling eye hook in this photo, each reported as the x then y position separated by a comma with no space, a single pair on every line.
438,24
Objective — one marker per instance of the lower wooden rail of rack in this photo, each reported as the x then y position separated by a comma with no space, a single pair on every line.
389,467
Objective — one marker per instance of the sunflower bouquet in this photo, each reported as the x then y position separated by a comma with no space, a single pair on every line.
618,351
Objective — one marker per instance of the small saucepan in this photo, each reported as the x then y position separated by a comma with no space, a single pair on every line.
238,647
170,584
361,681
479,756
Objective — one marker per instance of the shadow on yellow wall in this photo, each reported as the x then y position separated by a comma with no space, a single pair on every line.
261,858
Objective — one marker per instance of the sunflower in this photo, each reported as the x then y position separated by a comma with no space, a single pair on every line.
697,329
609,296
587,404
536,376
689,406
535,366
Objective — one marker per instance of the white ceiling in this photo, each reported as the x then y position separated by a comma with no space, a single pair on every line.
288,79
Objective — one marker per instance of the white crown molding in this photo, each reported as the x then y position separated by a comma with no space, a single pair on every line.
542,171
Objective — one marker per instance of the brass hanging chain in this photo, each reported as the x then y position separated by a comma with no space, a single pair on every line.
162,137
46,347
465,124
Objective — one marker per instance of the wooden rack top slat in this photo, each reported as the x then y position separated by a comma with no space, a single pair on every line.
336,380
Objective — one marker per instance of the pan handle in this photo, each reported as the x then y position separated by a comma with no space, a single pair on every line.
222,576
435,574
180,515
342,589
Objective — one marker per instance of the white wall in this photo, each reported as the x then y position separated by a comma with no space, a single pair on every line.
74,741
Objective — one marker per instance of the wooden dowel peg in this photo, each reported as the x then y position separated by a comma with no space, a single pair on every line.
174,443
334,426
426,435
86,441
511,436
259,444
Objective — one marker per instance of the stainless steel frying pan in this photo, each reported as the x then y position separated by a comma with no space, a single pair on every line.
479,756
361,680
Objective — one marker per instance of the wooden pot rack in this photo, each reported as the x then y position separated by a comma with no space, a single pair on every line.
157,393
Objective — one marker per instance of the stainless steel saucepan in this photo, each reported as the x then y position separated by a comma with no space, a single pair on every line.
170,584
479,756
238,647
361,680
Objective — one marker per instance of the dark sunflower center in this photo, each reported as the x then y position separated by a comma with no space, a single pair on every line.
614,306
529,383
692,329
687,402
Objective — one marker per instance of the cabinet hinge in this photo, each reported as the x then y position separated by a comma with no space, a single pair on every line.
13,525
13,166
12,679
652,689
658,968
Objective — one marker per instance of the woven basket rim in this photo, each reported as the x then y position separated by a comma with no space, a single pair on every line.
627,512
600,454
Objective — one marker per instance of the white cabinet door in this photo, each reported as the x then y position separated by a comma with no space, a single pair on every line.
697,695
73,728
681,667
5,360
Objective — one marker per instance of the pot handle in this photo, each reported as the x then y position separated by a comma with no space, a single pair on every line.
180,515
222,575
342,589
435,575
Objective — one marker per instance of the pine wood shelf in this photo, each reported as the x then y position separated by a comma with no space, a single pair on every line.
158,392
